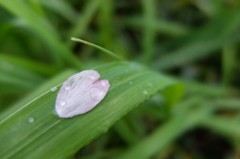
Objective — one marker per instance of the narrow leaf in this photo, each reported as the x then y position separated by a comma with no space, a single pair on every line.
35,131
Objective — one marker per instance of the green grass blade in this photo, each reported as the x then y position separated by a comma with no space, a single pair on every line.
124,131
39,91
167,133
222,30
223,125
11,85
60,7
160,26
37,7
106,28
229,63
43,29
35,66
14,76
149,32
97,47
34,131
84,19
206,89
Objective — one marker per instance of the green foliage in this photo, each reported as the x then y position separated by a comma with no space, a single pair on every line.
36,117
189,81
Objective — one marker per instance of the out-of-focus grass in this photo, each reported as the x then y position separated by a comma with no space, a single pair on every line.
195,42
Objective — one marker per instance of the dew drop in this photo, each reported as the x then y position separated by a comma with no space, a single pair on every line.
98,94
53,89
30,120
62,103
101,93
67,88
145,92
92,77
104,83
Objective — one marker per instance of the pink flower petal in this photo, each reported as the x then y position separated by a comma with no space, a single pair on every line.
80,93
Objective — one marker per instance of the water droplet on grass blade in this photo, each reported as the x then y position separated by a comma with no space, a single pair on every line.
53,89
145,92
30,120
80,93
67,87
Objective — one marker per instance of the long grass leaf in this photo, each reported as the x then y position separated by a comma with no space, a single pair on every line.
166,133
223,30
43,29
98,47
47,136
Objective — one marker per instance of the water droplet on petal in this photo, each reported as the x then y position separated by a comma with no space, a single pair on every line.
98,94
30,120
62,103
92,77
67,88
104,83
53,89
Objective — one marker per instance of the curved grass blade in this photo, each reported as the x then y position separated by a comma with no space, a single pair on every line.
97,47
42,28
34,130
165,134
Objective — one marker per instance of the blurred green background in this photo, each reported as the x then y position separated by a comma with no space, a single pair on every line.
193,41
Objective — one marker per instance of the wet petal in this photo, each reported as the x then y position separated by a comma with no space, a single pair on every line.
80,93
